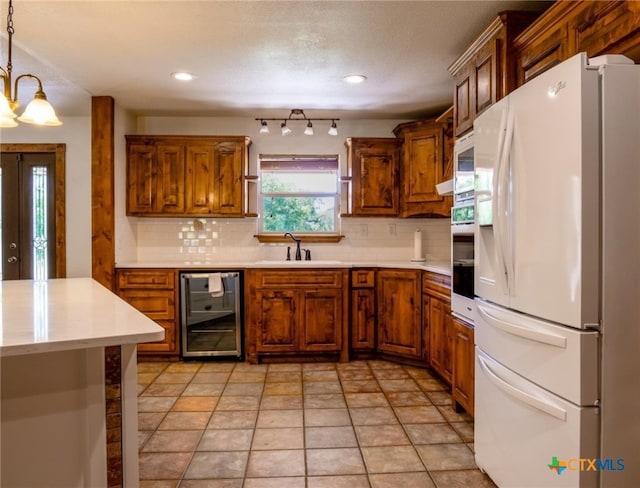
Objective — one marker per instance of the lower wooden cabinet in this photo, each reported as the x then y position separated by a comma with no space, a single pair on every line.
296,313
153,292
363,312
441,338
399,303
463,366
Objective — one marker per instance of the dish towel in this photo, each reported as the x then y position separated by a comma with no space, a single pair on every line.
216,287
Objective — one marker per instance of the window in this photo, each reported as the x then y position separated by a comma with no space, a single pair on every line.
298,194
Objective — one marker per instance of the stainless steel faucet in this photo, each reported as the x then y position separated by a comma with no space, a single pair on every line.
298,251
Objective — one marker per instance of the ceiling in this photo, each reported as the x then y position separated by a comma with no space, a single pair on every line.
251,58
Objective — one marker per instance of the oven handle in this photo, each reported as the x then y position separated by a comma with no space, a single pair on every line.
233,274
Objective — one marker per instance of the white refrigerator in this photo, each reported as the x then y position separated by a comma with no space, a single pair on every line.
557,279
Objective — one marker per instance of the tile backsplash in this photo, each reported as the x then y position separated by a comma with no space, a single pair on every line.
211,241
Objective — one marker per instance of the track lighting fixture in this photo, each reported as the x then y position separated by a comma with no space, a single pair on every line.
297,114
39,111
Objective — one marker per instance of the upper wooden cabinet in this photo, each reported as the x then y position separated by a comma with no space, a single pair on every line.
373,169
567,28
426,161
186,175
486,71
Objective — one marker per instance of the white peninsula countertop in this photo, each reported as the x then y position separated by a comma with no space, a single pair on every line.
67,314
55,382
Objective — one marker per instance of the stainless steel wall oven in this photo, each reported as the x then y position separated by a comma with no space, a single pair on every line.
211,314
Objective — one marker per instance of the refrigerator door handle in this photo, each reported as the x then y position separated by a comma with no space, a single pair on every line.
522,331
497,199
506,231
527,398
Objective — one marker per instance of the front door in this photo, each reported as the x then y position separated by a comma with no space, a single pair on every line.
28,225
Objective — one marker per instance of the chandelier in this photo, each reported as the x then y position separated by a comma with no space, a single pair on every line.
39,111
297,114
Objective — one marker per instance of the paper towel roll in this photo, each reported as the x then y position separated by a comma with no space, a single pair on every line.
417,245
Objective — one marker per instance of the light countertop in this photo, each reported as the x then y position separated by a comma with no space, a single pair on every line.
66,314
436,267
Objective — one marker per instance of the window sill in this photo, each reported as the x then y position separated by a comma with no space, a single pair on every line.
311,238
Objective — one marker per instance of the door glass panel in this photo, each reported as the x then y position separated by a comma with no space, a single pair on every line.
39,219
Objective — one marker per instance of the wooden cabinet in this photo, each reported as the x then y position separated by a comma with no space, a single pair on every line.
438,323
154,293
567,28
424,163
363,311
462,390
186,175
486,71
399,312
296,313
373,172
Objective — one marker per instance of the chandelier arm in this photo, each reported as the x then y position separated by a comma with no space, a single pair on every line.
15,85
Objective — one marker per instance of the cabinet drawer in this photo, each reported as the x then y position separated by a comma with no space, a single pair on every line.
146,278
436,283
363,278
294,279
155,304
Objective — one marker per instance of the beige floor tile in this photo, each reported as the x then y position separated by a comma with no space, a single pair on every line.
355,400
233,420
356,375
326,417
226,440
328,400
392,459
150,420
462,479
146,378
432,434
464,430
159,483
451,415
230,483
185,421
155,389
430,384
247,377
152,367
174,378
407,384
319,366
373,416
319,375
210,377
155,404
290,482
418,373
279,438
403,480
416,415
290,388
240,389
273,464
320,387
281,402
246,402
285,367
381,435
344,481
284,376
377,364
361,386
439,457
390,374
173,441
408,399
279,418
328,437
323,462
215,465
217,367
195,404
204,389
162,465
183,367
143,436
440,397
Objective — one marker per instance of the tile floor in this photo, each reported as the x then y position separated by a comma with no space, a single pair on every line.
372,424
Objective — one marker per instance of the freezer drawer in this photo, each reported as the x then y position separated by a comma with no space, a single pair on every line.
561,359
520,428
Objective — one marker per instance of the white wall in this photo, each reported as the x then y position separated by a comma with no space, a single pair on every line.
76,134
175,240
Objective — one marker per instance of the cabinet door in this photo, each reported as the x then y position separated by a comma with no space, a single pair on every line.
422,166
487,77
463,366
276,320
375,177
141,179
547,51
227,183
463,102
399,303
322,312
441,338
170,179
200,179
363,319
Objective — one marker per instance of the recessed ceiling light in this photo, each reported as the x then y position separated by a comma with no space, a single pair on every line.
354,79
182,76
